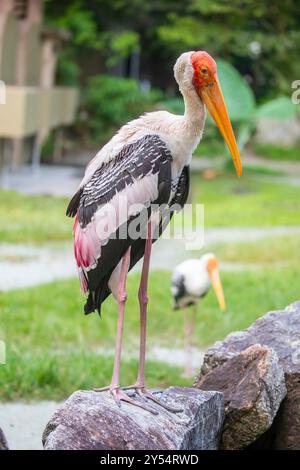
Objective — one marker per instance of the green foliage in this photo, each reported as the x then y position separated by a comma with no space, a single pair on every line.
277,152
242,108
210,146
122,44
48,146
90,29
279,108
240,99
259,39
238,95
174,105
111,101
68,71
79,20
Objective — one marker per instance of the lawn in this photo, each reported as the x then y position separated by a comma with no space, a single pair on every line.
270,250
277,152
33,219
53,349
247,201
228,201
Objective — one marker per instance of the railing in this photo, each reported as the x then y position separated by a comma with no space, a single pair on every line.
30,109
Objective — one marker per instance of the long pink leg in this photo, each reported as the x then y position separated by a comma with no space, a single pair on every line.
114,386
122,297
143,300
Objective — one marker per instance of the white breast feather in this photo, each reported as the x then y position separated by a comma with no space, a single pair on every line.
181,134
196,279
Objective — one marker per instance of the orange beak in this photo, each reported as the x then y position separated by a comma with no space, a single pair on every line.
217,285
212,97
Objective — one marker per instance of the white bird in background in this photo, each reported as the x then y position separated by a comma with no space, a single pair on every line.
145,165
191,281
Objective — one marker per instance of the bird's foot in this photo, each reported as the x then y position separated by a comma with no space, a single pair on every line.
119,395
144,393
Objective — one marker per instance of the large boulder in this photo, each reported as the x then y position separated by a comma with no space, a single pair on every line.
92,420
3,441
280,331
253,386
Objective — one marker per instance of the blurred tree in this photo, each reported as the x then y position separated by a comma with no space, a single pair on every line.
99,26
259,37
108,102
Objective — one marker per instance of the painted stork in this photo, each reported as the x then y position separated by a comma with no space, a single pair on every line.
191,281
145,163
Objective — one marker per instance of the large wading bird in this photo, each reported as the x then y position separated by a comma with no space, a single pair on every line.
145,163
191,281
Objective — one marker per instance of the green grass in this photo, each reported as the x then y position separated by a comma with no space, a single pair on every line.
33,219
229,201
276,152
212,149
52,347
257,170
270,250
44,376
247,201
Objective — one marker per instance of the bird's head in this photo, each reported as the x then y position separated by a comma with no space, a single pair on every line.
211,264
197,71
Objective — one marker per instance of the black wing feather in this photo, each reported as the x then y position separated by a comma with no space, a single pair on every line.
147,156
180,198
102,291
183,188
74,203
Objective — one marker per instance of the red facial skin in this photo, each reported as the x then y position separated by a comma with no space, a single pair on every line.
205,69
208,88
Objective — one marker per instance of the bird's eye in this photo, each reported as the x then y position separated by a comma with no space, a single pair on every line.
204,71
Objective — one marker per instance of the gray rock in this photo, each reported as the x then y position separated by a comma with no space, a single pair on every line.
253,386
3,441
91,420
279,330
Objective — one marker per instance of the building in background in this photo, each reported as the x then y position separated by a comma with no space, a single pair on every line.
34,105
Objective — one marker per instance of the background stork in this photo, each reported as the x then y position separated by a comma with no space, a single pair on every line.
146,162
191,281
